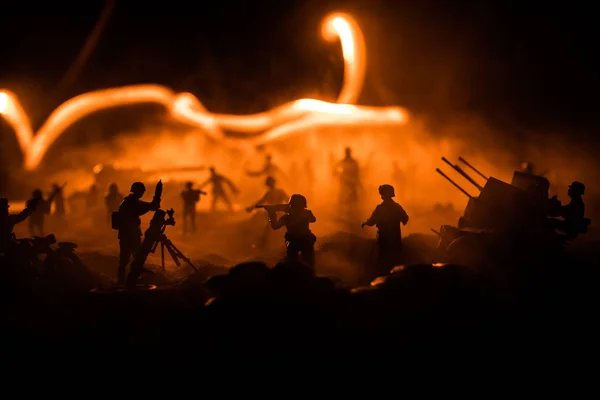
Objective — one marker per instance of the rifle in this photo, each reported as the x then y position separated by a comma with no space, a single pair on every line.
274,207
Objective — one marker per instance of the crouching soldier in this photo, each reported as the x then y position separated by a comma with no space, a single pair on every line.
297,220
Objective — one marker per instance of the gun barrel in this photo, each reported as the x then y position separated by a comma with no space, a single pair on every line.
462,160
463,173
439,171
434,231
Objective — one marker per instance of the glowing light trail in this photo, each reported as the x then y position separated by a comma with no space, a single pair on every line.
290,118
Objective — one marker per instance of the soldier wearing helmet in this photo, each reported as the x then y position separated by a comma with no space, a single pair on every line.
273,195
38,216
574,221
8,221
387,216
130,231
218,183
113,199
298,238
190,197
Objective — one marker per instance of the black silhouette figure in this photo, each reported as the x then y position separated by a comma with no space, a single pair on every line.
273,196
218,183
112,200
573,214
8,221
270,169
348,173
190,197
38,216
387,216
129,225
298,238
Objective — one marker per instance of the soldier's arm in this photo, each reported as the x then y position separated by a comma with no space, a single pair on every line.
277,223
22,216
403,216
203,184
144,207
372,220
229,183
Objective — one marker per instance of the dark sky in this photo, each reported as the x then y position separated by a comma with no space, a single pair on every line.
527,64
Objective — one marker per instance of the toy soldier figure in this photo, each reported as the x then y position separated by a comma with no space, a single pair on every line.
574,221
190,198
129,223
112,200
347,170
298,238
59,202
37,217
218,190
274,195
270,169
8,221
387,217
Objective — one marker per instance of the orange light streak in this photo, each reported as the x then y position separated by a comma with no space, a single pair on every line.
290,118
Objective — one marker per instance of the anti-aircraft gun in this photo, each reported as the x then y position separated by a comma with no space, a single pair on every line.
503,219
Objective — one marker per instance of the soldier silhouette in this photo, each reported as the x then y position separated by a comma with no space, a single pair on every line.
38,216
387,216
190,197
8,221
130,231
298,238
573,214
218,190
348,172
112,200
270,169
273,195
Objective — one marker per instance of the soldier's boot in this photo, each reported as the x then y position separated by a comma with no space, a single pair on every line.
121,276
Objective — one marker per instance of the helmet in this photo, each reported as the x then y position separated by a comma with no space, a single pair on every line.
270,181
189,184
298,201
387,190
577,188
37,193
113,186
137,187
4,203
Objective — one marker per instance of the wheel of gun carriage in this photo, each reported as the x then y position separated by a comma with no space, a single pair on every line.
469,251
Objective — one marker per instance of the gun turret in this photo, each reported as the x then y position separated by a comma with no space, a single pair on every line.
462,160
274,207
439,171
463,173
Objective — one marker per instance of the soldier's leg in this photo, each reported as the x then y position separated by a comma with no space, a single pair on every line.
227,201
185,222
308,255
193,220
213,205
291,251
125,252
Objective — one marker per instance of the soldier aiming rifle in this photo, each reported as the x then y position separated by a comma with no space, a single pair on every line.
155,235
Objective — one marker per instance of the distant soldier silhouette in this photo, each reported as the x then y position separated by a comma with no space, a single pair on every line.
59,202
273,195
298,238
37,218
8,221
218,190
387,216
130,231
190,197
270,169
574,221
112,200
348,173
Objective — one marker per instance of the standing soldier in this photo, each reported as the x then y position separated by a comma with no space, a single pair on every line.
274,195
298,238
36,219
190,198
8,221
387,217
348,172
112,200
218,191
129,223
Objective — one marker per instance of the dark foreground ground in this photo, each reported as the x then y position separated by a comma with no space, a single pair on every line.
263,310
